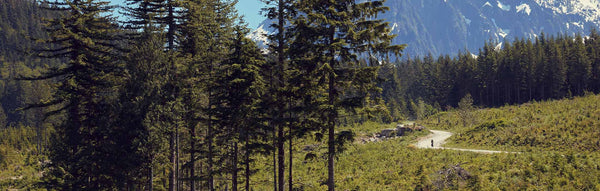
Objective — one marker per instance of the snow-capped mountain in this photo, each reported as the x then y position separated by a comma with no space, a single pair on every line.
259,35
449,26
588,9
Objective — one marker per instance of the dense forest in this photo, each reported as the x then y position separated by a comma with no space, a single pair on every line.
547,67
175,97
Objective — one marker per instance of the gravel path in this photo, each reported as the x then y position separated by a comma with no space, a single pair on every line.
439,138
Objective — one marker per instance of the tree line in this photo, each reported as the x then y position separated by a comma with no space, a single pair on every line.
175,97
547,67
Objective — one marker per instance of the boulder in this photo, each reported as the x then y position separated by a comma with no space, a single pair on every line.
388,132
402,131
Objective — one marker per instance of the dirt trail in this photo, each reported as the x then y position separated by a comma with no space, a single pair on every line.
439,138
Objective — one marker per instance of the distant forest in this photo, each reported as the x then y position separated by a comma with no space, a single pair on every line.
547,67
177,97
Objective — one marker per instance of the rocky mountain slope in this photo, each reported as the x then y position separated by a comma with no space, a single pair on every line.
448,26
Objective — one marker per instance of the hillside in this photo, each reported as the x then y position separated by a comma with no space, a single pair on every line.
569,125
24,135
557,143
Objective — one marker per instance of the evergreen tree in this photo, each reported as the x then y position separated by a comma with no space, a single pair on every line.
141,95
579,67
144,14
147,20
89,142
238,90
280,90
336,32
555,78
207,35
593,48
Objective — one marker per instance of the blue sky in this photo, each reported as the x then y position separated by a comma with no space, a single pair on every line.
248,8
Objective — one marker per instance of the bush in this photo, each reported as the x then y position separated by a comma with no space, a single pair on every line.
490,125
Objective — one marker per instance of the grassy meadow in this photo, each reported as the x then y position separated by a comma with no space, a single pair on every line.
558,141
568,125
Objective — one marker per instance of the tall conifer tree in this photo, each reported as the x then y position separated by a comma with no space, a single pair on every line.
88,143
239,86
207,35
337,33
280,11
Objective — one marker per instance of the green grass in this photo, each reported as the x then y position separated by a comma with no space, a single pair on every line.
20,166
395,165
565,125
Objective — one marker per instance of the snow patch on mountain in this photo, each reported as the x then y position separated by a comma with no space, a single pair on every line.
504,7
577,24
588,9
503,32
498,47
259,36
487,4
474,56
524,8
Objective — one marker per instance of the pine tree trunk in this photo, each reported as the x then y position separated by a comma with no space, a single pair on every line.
247,162
171,23
290,180
331,118
274,162
192,157
280,133
172,162
210,133
177,182
210,149
171,44
331,142
234,163
275,185
281,157
150,178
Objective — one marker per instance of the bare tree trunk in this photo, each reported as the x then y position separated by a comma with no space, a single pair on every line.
150,178
171,44
210,149
331,141
234,163
247,162
331,119
290,179
177,175
172,161
280,124
210,133
192,157
274,161
281,157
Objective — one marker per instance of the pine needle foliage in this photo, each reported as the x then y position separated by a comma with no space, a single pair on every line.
332,36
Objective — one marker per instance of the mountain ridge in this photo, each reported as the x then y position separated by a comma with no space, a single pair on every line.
448,26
